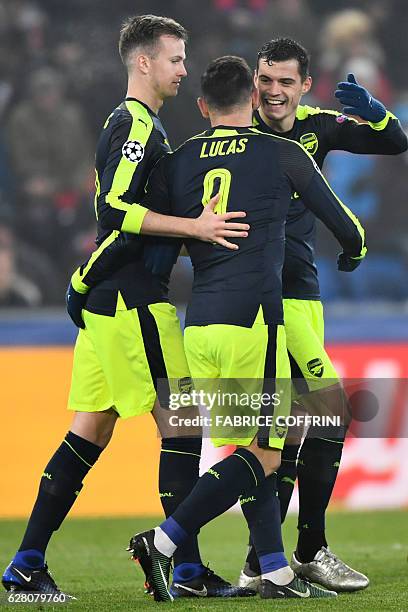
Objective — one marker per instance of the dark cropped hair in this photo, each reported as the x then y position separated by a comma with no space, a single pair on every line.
282,49
144,31
227,82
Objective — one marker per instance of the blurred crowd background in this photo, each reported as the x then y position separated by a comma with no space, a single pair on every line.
60,76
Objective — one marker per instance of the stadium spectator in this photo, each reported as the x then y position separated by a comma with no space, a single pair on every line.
54,180
347,37
15,289
50,151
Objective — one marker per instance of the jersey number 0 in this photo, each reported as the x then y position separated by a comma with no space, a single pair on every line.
216,181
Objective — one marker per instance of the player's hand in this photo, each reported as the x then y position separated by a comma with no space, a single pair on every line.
75,302
346,263
212,227
358,101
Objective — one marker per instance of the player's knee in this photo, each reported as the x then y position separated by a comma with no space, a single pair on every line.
96,427
269,458
269,466
272,462
103,438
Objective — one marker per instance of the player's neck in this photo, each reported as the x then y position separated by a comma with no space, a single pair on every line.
145,94
283,125
240,118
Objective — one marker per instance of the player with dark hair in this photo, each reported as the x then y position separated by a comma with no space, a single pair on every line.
282,77
234,322
132,336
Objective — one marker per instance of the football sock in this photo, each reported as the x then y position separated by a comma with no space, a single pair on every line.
286,477
215,492
184,572
162,541
318,465
178,474
29,559
59,488
262,513
281,576
287,473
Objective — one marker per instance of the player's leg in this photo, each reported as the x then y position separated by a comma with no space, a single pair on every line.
262,512
250,575
287,472
203,370
285,479
181,446
240,474
272,573
320,455
62,478
179,470
215,492
261,506
180,449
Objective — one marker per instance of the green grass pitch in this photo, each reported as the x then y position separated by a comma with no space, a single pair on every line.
87,558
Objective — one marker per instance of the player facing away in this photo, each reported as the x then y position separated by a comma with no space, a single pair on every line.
234,320
282,77
132,335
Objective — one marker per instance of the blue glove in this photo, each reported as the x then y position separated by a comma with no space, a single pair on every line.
75,302
358,101
346,263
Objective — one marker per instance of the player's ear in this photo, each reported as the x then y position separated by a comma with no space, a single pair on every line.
142,62
202,105
255,98
306,85
256,78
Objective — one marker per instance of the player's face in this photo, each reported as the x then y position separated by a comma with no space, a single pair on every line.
280,89
167,67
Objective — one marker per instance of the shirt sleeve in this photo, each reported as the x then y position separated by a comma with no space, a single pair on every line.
317,195
125,166
159,254
383,138
100,265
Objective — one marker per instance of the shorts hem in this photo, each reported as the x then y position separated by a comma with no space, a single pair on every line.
274,443
122,414
87,408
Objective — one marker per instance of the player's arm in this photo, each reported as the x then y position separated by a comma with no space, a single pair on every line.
128,155
161,255
116,215
317,195
382,134
125,168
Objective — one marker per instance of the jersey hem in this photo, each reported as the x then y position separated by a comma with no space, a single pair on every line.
292,296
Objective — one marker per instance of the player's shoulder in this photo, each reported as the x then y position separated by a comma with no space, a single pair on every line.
276,141
131,114
187,145
315,113
138,112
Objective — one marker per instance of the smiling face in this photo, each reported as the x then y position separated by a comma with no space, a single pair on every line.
280,89
167,66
